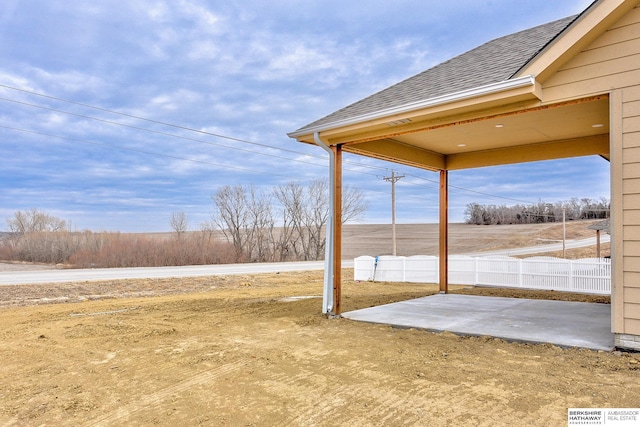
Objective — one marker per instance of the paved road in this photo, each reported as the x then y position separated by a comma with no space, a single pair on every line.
569,244
94,274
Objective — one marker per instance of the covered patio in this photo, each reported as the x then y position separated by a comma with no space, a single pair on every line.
563,89
566,324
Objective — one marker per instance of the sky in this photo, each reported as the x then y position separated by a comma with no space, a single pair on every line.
114,115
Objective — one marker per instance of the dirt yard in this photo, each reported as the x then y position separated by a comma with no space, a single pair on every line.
255,351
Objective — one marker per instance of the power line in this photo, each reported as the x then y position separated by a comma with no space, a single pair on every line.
217,135
172,135
136,150
493,196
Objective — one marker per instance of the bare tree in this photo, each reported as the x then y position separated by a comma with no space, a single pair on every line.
354,205
540,212
231,216
247,219
261,224
291,198
307,210
34,220
179,223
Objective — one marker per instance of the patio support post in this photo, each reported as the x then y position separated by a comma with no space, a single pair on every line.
337,231
444,231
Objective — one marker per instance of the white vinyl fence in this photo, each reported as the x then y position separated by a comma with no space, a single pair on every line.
592,275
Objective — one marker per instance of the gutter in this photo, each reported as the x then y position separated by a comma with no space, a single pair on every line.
329,267
493,88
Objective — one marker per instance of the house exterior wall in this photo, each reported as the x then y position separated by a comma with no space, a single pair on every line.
611,64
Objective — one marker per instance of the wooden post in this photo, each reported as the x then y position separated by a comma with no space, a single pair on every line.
597,243
444,231
337,230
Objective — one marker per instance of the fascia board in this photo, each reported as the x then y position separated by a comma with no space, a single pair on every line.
504,86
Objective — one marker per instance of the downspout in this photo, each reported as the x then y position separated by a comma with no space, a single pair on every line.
329,268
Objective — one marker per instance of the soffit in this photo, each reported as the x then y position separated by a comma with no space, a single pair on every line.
534,126
538,127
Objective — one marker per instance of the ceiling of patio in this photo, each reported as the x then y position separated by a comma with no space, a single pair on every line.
569,129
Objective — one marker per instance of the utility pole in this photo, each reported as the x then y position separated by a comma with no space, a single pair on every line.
393,179
564,232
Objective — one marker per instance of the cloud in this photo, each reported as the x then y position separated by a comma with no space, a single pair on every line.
250,70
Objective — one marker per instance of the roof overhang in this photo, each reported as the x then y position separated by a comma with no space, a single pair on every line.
492,125
521,88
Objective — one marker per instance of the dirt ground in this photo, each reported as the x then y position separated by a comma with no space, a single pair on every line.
255,351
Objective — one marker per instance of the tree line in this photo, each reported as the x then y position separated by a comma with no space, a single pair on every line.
285,223
541,212
35,236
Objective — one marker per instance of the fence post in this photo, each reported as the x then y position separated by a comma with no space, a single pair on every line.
404,269
571,284
520,278
476,274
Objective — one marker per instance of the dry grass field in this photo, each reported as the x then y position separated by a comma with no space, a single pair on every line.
255,351
422,239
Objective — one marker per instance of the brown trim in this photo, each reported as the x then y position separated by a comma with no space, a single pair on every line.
444,231
337,230
548,150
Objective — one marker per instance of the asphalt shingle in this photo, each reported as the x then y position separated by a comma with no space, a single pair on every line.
495,61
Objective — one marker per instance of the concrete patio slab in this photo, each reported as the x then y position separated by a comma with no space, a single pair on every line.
566,324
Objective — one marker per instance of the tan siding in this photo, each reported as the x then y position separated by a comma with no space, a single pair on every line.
630,167
632,140
631,217
632,293
632,279
632,310
631,190
631,156
632,326
632,232
631,263
632,202
610,62
631,94
594,72
631,124
617,35
613,44
632,313
583,88
629,18
631,186
631,249
631,109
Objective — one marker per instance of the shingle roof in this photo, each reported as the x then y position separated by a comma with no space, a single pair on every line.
495,61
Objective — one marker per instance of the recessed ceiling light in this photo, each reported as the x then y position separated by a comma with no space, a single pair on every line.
499,125
462,145
597,125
